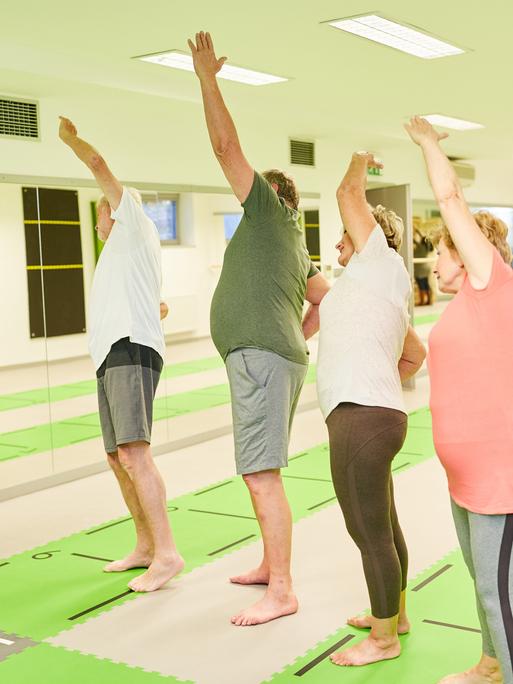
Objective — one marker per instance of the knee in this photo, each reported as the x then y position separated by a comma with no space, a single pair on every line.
113,460
126,459
260,483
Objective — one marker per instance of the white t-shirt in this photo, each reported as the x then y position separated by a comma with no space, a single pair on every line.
363,323
125,297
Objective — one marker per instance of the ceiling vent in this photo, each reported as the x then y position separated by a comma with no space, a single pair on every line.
465,172
302,152
19,118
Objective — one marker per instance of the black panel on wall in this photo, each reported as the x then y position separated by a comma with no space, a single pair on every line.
52,230
312,235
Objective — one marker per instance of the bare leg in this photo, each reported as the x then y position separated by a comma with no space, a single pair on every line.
381,644
275,520
142,555
138,463
487,671
259,575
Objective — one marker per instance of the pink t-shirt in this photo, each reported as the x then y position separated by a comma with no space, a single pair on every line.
470,365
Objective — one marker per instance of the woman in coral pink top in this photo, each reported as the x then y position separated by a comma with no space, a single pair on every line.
470,364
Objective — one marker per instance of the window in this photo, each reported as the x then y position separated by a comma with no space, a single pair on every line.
162,209
231,222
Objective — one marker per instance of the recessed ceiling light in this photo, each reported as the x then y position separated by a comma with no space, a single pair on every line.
395,35
451,122
180,60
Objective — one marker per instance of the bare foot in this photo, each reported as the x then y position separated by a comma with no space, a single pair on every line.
259,575
367,651
136,559
473,676
268,608
365,622
157,574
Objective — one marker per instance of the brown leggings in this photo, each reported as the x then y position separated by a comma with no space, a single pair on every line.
363,443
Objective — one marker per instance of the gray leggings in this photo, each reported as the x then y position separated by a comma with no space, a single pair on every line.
363,443
486,543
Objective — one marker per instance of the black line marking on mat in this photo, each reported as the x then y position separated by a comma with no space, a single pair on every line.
323,655
310,508
403,465
447,624
100,605
412,453
83,555
223,484
304,453
314,479
2,564
229,546
44,555
99,529
432,577
172,508
229,515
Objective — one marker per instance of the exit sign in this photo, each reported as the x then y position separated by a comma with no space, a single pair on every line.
374,171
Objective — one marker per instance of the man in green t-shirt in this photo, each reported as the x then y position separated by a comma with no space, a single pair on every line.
256,326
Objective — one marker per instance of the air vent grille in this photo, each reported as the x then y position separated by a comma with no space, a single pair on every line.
302,152
19,118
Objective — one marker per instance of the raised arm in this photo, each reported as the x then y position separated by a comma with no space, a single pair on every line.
352,203
111,187
221,129
474,249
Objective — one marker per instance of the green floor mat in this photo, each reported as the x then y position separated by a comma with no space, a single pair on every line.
428,318
59,434
78,389
50,588
47,664
444,637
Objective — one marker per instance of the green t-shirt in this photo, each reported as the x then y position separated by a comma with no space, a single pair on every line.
259,299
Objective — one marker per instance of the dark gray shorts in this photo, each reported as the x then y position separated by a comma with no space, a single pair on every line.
265,389
127,381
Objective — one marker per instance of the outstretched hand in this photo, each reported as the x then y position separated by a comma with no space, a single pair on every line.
67,129
421,131
205,61
370,160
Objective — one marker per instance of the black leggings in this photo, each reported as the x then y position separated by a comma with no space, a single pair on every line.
363,443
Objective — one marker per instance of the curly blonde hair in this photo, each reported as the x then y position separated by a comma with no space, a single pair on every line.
391,224
493,228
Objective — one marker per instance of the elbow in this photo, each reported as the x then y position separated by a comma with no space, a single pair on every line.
347,192
96,162
452,196
224,150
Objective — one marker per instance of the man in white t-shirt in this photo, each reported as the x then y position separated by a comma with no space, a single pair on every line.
127,346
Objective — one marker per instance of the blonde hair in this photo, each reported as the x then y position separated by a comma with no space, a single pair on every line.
133,191
391,224
493,228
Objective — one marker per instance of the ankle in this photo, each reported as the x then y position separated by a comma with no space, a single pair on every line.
280,587
384,641
489,667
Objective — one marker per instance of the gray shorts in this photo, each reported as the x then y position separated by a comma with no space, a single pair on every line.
265,389
127,381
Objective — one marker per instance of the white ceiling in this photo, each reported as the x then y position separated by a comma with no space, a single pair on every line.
338,83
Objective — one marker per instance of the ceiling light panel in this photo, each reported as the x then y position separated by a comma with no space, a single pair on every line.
398,36
451,122
179,60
